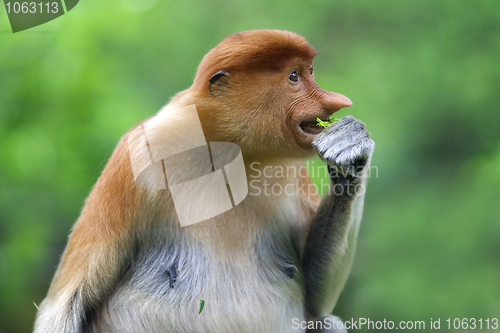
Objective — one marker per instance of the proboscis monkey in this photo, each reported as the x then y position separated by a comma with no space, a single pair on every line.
271,263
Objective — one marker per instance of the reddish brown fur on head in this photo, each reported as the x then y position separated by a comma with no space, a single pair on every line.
255,104
252,50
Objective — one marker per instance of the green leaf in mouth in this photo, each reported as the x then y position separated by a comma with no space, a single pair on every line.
326,124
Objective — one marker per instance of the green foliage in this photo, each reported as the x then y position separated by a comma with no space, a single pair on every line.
202,304
423,76
326,124
322,123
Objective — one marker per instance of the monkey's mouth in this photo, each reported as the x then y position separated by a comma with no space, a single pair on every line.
310,126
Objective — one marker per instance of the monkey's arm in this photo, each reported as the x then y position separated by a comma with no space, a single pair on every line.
347,149
97,251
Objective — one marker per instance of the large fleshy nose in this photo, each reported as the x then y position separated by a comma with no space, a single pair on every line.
333,102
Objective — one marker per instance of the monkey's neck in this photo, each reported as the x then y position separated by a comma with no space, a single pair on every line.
275,204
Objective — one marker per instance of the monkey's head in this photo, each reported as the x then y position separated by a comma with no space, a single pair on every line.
257,89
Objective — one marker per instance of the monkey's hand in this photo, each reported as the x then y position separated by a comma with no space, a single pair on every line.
347,149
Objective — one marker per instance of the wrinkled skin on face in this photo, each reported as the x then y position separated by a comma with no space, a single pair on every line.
262,95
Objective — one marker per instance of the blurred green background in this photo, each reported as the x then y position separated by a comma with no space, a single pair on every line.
423,75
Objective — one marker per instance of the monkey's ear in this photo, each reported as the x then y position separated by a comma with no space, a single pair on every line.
219,83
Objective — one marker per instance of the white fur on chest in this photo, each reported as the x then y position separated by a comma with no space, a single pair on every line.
250,294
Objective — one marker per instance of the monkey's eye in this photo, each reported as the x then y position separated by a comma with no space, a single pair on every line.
311,69
294,76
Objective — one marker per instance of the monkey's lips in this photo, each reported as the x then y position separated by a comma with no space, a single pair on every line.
311,127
